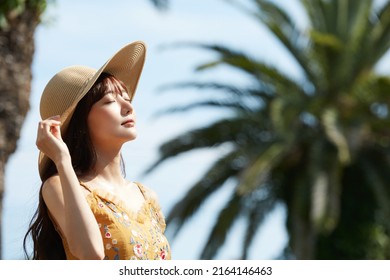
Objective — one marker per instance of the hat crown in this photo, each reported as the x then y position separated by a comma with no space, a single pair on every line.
64,89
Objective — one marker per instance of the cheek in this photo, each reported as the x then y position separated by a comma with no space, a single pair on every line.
98,121
93,120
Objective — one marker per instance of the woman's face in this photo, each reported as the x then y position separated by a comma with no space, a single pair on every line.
112,119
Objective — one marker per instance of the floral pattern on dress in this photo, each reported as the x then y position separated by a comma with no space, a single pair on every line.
107,233
138,250
163,254
144,230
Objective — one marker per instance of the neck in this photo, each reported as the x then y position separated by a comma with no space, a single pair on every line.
107,168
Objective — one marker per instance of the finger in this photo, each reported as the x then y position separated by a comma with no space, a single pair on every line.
46,124
56,117
49,128
56,131
54,120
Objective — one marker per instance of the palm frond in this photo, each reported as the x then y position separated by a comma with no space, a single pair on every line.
259,204
160,4
223,131
356,59
223,169
236,98
258,171
379,42
232,90
242,62
286,31
373,103
217,104
316,11
225,89
225,221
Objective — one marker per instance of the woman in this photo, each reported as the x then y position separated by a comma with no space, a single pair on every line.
87,209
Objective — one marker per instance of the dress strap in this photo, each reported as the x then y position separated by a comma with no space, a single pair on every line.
85,186
151,199
142,189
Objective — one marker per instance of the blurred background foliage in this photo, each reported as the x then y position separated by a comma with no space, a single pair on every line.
318,144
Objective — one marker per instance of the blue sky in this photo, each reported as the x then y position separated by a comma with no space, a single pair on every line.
88,33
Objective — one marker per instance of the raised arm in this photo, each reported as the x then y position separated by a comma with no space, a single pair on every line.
64,197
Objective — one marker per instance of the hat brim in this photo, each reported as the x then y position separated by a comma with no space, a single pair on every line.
126,65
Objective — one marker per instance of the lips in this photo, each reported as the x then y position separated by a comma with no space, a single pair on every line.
128,122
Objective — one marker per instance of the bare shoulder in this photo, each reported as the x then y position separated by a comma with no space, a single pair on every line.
52,188
54,198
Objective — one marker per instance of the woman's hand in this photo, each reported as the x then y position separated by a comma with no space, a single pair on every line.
49,140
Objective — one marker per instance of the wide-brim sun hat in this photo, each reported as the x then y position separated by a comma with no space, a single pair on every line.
66,88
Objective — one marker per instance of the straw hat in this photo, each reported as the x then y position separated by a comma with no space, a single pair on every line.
64,91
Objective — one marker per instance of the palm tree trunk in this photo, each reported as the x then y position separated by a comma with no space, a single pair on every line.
303,236
303,239
16,55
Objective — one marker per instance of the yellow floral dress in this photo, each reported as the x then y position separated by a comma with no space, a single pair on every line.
128,235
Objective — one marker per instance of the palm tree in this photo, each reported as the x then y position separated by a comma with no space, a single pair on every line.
18,21
319,144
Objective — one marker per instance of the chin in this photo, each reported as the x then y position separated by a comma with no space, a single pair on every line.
132,137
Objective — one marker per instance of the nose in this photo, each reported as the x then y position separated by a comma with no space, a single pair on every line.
127,108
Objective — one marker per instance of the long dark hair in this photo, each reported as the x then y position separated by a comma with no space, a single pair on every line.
47,243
